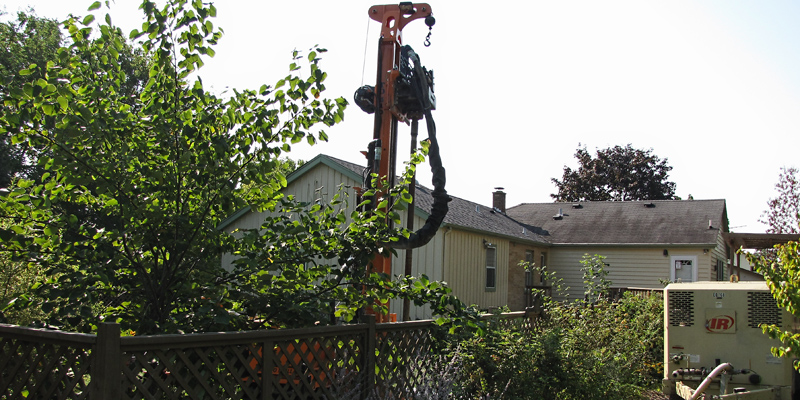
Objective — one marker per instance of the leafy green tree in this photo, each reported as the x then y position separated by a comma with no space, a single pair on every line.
124,217
781,270
24,41
783,215
617,174
595,282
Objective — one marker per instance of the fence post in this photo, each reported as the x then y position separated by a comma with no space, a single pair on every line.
370,344
106,380
267,363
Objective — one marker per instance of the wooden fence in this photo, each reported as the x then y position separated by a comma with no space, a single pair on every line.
333,362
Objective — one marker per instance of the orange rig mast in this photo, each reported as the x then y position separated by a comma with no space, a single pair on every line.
403,92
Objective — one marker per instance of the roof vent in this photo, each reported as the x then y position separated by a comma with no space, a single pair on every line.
560,214
649,205
477,209
577,205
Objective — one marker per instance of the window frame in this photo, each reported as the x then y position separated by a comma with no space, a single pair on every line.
529,277
490,268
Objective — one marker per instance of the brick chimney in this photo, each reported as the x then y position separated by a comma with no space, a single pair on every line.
499,199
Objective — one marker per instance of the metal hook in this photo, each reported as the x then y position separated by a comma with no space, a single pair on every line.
430,21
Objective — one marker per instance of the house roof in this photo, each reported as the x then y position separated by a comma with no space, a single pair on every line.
662,222
657,222
462,213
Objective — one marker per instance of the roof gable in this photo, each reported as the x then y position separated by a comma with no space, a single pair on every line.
463,213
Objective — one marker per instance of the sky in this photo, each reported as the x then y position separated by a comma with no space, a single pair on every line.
712,86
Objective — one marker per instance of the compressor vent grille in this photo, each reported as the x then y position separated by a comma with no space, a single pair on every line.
681,308
762,309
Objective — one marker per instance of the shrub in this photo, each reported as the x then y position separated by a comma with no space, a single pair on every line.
600,351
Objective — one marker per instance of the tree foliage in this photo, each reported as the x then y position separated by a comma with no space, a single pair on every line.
569,348
783,214
25,41
124,216
781,270
616,173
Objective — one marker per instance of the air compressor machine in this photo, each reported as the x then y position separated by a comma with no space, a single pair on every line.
714,346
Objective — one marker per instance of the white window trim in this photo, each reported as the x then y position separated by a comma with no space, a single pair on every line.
672,260
487,267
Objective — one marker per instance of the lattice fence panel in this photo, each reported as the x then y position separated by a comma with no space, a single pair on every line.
318,367
43,370
524,325
208,373
406,358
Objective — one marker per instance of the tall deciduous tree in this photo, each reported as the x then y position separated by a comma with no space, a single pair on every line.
783,216
32,40
124,217
616,173
24,41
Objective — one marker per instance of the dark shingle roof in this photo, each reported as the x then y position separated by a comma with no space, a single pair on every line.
465,214
629,222
473,216
679,222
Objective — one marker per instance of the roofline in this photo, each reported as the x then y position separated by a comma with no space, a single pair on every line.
639,245
321,159
500,235
299,172
233,217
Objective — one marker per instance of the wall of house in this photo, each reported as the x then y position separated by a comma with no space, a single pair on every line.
627,267
719,253
465,258
427,260
321,183
516,273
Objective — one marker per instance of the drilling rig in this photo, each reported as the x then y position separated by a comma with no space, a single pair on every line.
403,92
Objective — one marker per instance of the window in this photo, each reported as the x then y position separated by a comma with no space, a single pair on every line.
721,270
684,269
491,268
528,271
542,265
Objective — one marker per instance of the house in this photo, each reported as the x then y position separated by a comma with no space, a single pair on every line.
478,248
471,251
645,242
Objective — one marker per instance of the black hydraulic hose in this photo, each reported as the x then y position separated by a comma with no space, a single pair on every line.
440,198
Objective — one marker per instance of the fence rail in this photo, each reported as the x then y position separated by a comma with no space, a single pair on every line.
348,361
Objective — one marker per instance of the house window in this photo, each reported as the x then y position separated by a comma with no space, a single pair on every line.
684,269
721,270
491,268
542,265
528,271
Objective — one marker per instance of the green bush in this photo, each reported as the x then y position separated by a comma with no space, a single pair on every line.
602,351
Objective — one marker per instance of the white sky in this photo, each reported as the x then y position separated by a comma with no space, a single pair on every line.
710,85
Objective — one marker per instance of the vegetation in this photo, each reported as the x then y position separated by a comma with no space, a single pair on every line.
577,351
781,270
782,216
26,40
617,174
135,178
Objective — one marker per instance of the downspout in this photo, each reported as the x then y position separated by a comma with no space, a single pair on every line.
444,251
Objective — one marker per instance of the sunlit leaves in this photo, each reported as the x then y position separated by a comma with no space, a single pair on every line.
146,179
781,270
